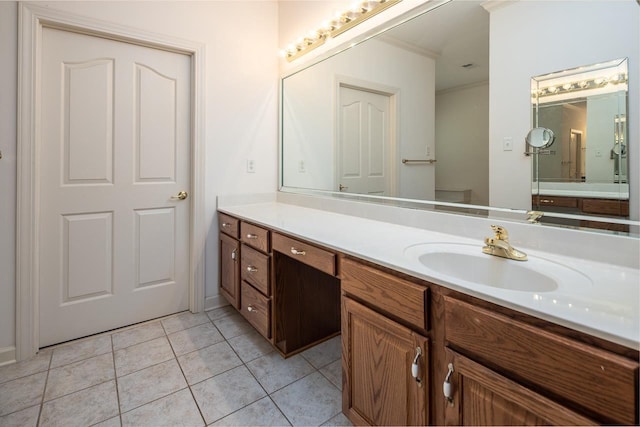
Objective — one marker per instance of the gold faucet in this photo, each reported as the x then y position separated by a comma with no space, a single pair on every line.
498,245
534,216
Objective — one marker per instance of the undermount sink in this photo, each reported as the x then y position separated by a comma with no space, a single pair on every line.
467,263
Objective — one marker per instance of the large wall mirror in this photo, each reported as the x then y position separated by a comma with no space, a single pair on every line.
437,109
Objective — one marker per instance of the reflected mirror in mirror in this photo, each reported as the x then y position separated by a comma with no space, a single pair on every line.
540,138
415,113
586,169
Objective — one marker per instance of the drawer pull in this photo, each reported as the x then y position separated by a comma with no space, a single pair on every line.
226,224
297,252
251,269
252,236
550,201
415,368
251,309
446,386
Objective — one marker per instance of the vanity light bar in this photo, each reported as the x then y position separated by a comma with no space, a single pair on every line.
342,22
577,86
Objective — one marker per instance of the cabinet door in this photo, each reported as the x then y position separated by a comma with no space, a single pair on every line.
230,269
379,388
483,397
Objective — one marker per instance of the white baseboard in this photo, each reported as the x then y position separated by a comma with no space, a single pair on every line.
7,355
215,301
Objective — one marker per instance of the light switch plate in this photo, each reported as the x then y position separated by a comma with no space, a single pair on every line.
507,143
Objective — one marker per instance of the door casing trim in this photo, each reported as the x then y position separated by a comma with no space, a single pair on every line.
32,18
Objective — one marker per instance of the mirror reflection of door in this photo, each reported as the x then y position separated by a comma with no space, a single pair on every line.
364,142
576,164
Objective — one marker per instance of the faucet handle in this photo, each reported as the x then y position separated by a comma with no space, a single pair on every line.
501,232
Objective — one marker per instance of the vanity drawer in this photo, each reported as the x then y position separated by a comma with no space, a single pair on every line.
255,269
317,258
229,225
559,202
606,207
255,236
592,378
256,308
401,298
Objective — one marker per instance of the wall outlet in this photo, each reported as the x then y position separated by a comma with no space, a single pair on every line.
302,167
507,143
251,166
428,151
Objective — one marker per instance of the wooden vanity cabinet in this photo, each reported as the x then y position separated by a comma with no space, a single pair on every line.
509,371
306,294
255,271
229,257
383,326
508,368
483,397
286,288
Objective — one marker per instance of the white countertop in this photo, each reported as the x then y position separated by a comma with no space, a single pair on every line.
607,307
595,190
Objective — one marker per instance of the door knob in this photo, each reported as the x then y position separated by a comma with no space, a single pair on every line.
181,196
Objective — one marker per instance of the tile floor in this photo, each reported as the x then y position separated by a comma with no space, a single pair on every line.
188,369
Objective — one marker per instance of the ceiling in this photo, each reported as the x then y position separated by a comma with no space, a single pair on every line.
454,34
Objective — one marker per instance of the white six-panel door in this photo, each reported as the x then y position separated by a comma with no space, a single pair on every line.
115,147
364,142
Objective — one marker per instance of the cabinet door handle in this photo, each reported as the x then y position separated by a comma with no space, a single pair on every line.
415,368
251,269
234,254
252,236
251,309
446,386
297,252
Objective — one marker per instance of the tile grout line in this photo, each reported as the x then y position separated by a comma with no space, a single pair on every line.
115,377
257,381
44,390
182,370
74,391
155,364
267,394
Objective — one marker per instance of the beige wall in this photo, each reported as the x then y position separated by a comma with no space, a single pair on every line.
462,141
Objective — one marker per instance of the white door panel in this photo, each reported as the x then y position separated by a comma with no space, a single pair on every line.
114,147
155,244
87,256
155,97
88,122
